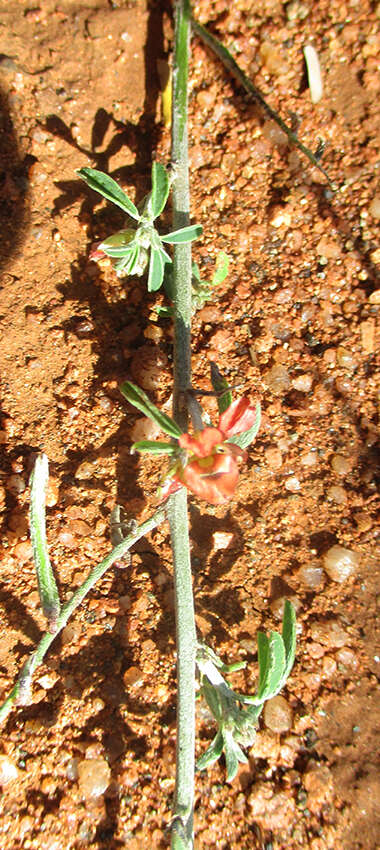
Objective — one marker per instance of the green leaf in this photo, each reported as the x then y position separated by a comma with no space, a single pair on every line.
212,754
289,636
156,270
140,400
247,437
154,447
160,189
274,661
221,270
108,187
220,384
164,312
184,234
233,754
46,582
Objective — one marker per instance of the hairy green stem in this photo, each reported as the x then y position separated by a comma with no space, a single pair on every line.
182,824
20,692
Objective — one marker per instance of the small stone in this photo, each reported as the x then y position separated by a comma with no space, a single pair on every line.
149,367
311,575
367,332
343,385
318,783
337,494
347,660
133,676
222,539
16,484
329,633
72,770
345,359
363,521
329,249
273,458
278,715
277,380
94,776
329,666
340,563
8,770
303,383
340,464
292,484
309,459
374,207
145,429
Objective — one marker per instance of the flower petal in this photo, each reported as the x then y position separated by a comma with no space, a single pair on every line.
203,443
216,485
239,416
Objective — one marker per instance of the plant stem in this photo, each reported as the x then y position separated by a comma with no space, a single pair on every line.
182,825
19,693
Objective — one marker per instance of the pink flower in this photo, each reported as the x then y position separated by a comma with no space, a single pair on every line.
211,470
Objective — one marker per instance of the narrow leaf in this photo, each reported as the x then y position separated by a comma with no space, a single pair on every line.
108,187
275,665
46,582
247,437
184,234
213,752
221,270
220,385
140,400
154,447
289,636
160,189
156,270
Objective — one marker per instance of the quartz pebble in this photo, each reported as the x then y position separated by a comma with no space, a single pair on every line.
337,494
303,383
277,379
278,715
311,575
94,776
340,563
222,539
340,464
8,770
145,429
292,484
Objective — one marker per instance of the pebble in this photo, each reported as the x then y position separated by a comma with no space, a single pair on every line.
309,459
345,359
318,783
94,776
271,811
277,380
328,248
329,633
303,383
374,207
278,715
337,494
273,458
310,575
292,484
8,770
16,484
343,385
340,563
222,539
329,666
133,676
145,429
347,660
340,464
72,770
148,367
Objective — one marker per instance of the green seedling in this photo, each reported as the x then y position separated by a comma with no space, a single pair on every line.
136,247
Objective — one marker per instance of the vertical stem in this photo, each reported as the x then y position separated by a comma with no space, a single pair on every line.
182,825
